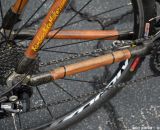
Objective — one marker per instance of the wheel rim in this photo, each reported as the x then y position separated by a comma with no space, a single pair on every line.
124,66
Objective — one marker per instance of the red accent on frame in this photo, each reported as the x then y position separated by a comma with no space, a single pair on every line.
135,64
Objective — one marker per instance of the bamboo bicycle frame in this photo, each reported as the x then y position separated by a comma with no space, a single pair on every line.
45,32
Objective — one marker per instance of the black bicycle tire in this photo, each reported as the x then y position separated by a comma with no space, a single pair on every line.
145,11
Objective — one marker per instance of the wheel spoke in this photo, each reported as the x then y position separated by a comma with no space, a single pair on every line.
14,21
95,18
63,52
14,121
20,122
2,17
74,43
116,19
35,21
44,101
67,23
83,18
1,10
102,23
82,81
57,85
102,38
30,18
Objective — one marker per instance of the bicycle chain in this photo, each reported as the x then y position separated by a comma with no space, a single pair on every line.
102,21
92,93
96,52
155,58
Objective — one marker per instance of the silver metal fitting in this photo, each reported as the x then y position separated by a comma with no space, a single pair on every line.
10,79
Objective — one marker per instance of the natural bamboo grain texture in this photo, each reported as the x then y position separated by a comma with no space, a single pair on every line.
84,34
90,64
47,24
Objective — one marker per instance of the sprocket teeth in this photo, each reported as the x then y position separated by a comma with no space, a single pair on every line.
155,58
9,57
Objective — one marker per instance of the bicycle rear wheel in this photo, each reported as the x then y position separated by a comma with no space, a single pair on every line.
142,12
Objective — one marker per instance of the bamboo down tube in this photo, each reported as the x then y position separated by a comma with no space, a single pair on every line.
90,64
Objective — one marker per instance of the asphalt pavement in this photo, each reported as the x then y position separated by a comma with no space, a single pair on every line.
136,107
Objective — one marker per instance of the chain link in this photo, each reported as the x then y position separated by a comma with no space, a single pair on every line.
108,49
95,52
92,93
103,23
